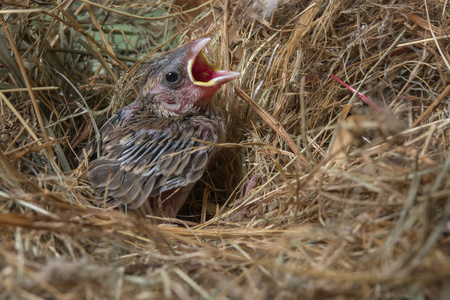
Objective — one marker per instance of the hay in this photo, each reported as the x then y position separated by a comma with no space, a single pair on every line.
318,194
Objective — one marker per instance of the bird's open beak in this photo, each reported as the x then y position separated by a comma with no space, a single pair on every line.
201,72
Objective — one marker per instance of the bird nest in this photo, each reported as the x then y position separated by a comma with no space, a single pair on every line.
334,183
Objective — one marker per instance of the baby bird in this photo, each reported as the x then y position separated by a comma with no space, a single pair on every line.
151,151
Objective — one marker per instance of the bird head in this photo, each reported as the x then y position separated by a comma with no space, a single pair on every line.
182,82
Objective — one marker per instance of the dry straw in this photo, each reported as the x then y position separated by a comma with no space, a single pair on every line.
335,183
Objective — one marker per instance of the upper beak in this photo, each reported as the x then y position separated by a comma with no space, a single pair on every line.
201,72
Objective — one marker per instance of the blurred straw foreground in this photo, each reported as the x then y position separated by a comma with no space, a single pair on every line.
319,194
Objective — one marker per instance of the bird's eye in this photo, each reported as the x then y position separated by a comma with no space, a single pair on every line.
172,77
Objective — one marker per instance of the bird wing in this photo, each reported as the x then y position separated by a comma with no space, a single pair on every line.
150,156
120,118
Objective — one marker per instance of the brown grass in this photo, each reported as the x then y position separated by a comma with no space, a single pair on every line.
317,195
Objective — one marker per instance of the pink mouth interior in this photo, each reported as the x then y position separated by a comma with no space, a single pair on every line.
202,71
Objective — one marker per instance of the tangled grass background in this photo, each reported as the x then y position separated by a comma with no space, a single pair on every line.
335,183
